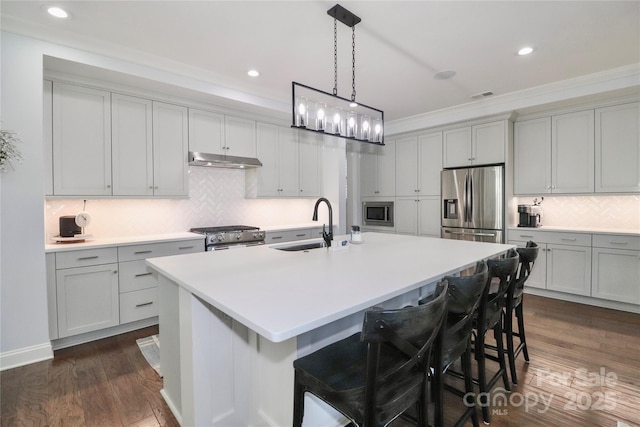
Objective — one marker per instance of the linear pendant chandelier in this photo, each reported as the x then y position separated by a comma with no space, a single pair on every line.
318,111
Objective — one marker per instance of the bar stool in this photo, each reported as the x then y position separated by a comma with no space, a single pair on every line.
513,303
374,376
489,317
464,293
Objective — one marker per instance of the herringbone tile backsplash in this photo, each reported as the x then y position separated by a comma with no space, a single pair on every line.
216,198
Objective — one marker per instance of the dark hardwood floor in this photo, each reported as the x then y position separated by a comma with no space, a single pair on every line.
584,371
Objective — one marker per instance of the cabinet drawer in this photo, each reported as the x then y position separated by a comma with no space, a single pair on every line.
86,257
287,236
616,241
571,239
151,250
526,234
134,275
138,305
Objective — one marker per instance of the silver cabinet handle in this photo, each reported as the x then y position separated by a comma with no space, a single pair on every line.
142,252
144,304
143,274
568,240
182,248
300,235
276,237
85,258
618,243
527,236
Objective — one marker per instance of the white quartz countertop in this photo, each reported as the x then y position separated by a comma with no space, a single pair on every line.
586,230
102,242
281,294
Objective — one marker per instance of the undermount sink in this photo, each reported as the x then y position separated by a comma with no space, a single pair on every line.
300,246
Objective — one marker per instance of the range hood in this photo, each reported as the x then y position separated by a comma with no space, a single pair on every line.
222,161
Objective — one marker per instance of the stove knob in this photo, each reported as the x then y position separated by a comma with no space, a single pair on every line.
238,236
220,237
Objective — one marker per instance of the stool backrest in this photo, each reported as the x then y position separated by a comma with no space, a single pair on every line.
413,332
528,256
491,303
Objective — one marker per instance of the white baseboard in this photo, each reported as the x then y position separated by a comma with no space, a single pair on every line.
25,356
103,333
172,406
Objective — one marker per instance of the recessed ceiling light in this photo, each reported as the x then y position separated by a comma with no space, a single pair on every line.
444,75
525,51
58,12
253,73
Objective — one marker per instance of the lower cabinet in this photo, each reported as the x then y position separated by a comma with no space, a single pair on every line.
94,289
569,269
616,268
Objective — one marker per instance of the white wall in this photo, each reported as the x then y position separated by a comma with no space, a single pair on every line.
23,309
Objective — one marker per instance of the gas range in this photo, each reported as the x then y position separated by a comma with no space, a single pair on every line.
230,236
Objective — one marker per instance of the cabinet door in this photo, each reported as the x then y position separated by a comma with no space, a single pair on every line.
87,299
387,170
288,161
170,150
429,216
132,146
457,147
240,137
407,167
268,180
572,167
81,141
47,135
488,143
616,275
429,164
309,164
532,157
206,132
369,173
569,269
406,216
617,141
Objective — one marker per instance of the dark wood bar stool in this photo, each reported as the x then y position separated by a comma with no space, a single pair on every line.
374,376
464,293
489,318
513,304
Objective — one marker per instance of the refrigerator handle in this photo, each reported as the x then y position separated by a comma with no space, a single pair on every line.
466,199
470,203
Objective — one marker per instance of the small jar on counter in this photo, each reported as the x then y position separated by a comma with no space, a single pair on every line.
356,236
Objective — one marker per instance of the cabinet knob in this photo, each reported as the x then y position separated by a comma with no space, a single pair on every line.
155,188
115,271
151,187
108,186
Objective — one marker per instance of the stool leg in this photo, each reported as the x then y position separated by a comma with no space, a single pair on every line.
523,339
298,402
468,382
497,333
482,379
508,329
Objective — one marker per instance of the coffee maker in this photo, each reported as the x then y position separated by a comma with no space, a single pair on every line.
530,215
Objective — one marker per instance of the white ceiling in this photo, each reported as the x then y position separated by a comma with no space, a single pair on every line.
400,45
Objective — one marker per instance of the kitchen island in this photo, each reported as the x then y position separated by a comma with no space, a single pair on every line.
232,322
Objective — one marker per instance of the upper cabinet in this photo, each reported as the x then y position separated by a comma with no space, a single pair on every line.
47,135
378,170
108,144
418,165
617,143
290,163
219,134
475,145
81,141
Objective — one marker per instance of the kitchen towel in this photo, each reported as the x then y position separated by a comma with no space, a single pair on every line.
150,348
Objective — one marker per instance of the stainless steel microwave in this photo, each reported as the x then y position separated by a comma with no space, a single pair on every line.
377,213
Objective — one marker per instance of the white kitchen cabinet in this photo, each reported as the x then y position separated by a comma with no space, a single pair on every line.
378,170
417,216
81,141
280,236
616,268
239,136
170,150
569,269
47,135
418,165
309,164
277,149
87,299
474,145
554,154
617,143
572,156
132,145
206,132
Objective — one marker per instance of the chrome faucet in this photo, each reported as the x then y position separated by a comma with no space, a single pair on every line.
328,237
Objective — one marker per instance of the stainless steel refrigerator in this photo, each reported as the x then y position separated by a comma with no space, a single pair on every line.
472,205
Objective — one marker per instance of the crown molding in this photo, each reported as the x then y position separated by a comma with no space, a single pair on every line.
602,84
